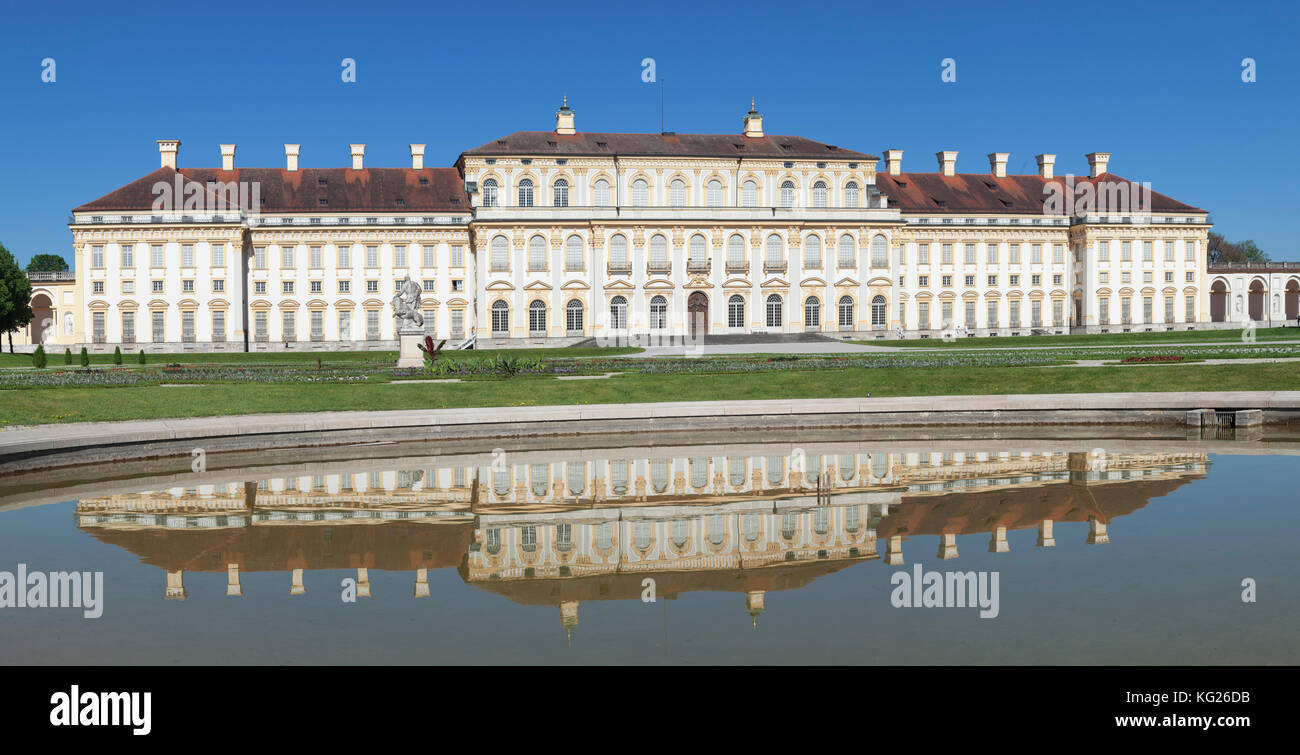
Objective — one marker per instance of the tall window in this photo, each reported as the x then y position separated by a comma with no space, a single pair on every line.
526,193
677,193
314,256
991,251
490,189
428,255
878,312
699,252
187,256
573,318
537,253
749,194
736,311
880,252
372,256
288,321
560,194
851,194
846,313
345,325
159,325
97,256
946,251
260,330
775,250
128,327
812,313
286,256
128,255
1103,311
812,252
658,252
500,254
992,313
736,251
787,193
344,254
500,319
774,319
819,194
714,193
640,193
537,319
156,255
573,253
618,313
846,255
618,252
600,193
658,313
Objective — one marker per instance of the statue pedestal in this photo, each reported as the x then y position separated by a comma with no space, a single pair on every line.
410,354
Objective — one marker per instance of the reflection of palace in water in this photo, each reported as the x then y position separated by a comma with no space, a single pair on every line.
562,527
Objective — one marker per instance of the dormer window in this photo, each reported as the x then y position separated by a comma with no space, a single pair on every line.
424,181
322,201
400,202
322,182
937,202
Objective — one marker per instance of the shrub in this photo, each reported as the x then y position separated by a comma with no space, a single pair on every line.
141,356
117,355
38,357
67,356
85,357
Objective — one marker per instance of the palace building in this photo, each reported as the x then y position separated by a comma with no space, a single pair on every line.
559,237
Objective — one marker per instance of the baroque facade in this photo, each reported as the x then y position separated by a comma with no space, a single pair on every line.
558,237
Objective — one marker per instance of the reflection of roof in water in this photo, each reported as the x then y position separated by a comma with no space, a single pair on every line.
627,586
1017,508
392,546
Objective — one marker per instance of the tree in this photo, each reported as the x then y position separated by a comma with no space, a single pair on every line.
15,296
1223,251
47,263
38,357
85,358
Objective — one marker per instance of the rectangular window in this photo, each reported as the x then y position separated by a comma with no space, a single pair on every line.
156,258
128,255
317,325
1126,251
1146,309
128,287
97,287
187,255
1103,311
947,281
260,331
1036,313
970,280
1058,312
945,310
399,255
97,256
315,257
923,280
97,327
286,256
128,327
992,313
428,255
1190,276
1036,254
458,323
345,287
947,254
1015,280
1190,249
1058,254
159,327
218,255
288,321
286,287
993,280
344,254
1015,313
372,325
970,254
1103,251
923,254
1036,279
259,257
970,315
372,287
923,315
1169,309
1148,253
1169,276
1169,251
372,256
218,286
187,327
1103,277
345,326
1126,310
1189,311
259,287
317,286
457,256
218,326
187,286
1013,254
156,286
992,252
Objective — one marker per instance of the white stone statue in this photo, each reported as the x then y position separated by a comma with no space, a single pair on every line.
406,304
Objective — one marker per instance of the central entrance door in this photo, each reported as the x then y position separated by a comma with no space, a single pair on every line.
697,313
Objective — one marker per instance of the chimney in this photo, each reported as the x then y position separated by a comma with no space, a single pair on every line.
227,157
998,163
417,157
1046,165
894,161
564,118
753,122
291,156
358,152
167,149
947,162
1097,162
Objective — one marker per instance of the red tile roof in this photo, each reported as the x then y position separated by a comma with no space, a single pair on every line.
344,190
667,144
984,193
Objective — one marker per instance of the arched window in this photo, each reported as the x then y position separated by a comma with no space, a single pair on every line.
774,319
749,194
878,312
699,252
490,193
658,252
601,193
640,193
787,193
736,311
537,253
812,313
736,251
560,194
847,257
812,252
851,194
537,319
819,194
618,313
658,313
573,318
846,313
775,250
526,193
500,253
879,251
500,319
573,253
618,251
677,193
714,194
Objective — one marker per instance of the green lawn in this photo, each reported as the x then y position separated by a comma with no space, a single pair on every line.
44,405
1095,339
55,358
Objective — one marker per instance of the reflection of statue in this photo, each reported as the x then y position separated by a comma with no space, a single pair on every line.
406,304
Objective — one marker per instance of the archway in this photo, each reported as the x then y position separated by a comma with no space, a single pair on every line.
1258,298
697,313
43,323
1292,299
1219,302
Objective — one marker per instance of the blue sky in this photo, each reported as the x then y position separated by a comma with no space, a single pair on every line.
1156,84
